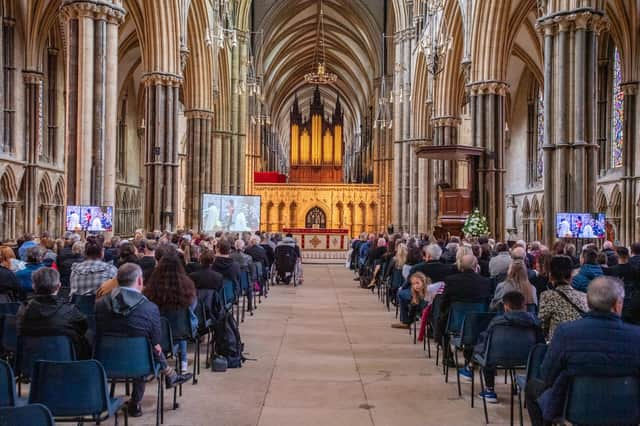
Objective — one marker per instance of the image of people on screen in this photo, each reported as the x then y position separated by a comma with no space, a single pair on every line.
230,213
89,218
580,225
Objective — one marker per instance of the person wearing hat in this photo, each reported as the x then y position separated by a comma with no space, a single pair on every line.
563,303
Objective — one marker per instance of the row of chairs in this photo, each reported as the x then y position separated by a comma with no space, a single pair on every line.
512,349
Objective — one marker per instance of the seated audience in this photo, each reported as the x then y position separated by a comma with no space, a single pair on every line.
541,280
126,254
634,260
47,315
609,250
515,315
87,276
433,268
589,270
205,279
10,290
562,303
599,344
28,241
224,264
127,312
412,300
33,256
516,280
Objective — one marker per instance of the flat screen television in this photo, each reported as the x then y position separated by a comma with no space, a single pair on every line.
580,225
230,213
89,218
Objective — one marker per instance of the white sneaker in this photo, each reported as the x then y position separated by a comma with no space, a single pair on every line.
184,366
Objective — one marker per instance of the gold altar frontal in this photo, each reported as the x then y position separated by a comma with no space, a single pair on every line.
354,207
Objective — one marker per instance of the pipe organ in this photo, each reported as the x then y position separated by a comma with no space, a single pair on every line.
316,143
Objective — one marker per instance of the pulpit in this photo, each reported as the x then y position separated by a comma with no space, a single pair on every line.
454,205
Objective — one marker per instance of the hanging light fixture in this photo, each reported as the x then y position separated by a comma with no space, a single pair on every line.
385,97
217,33
320,75
435,43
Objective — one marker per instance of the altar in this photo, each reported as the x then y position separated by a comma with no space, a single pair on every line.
317,239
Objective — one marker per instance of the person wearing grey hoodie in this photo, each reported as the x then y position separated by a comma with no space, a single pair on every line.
125,311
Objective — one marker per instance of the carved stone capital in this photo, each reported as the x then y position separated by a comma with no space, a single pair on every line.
199,113
630,88
32,77
445,121
94,9
184,57
161,79
490,87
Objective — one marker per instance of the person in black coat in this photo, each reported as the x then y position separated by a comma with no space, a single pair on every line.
206,279
66,262
432,266
125,311
631,280
46,315
258,254
148,260
465,286
224,265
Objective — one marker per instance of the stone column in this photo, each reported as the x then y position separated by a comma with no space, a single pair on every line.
33,83
487,115
161,159
630,157
570,146
200,167
398,164
10,220
91,86
243,116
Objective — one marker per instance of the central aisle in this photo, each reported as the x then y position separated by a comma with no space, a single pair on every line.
326,355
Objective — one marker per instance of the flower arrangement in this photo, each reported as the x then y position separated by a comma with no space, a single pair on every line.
475,225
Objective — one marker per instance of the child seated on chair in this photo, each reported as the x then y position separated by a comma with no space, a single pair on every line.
515,314
416,297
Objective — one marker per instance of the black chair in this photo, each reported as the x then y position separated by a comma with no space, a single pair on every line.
180,321
167,344
8,397
9,308
508,348
32,415
75,391
603,400
536,356
128,358
457,312
9,336
473,324
205,329
86,303
40,348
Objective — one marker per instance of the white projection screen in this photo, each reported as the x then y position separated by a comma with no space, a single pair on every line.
230,213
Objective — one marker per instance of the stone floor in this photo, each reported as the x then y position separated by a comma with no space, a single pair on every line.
326,355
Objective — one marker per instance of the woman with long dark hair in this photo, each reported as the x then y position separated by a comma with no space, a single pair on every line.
171,289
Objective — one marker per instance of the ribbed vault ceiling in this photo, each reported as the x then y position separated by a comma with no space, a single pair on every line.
352,40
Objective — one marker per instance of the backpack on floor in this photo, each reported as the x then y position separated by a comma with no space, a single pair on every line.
226,335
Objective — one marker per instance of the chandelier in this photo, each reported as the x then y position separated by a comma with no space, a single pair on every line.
435,43
320,75
221,25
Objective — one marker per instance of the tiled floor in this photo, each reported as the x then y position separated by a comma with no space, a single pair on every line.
326,355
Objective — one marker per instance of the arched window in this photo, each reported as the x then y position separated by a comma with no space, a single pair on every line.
535,134
617,112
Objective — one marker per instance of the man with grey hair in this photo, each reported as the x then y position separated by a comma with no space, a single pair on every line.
47,315
33,256
126,311
599,344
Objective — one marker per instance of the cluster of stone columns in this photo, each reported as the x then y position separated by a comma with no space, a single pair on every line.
629,227
570,135
162,146
200,152
488,118
33,83
92,61
405,209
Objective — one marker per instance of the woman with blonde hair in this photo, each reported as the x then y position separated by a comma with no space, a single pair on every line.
517,280
419,283
10,290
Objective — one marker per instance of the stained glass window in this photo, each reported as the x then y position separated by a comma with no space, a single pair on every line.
617,113
540,135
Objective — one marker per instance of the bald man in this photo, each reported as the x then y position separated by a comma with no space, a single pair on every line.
464,286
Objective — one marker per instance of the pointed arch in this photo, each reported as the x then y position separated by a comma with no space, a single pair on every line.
45,189
8,185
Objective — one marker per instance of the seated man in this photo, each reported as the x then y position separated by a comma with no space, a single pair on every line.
46,315
598,344
126,312
515,315
33,256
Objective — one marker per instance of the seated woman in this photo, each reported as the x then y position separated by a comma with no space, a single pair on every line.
416,297
516,281
171,289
